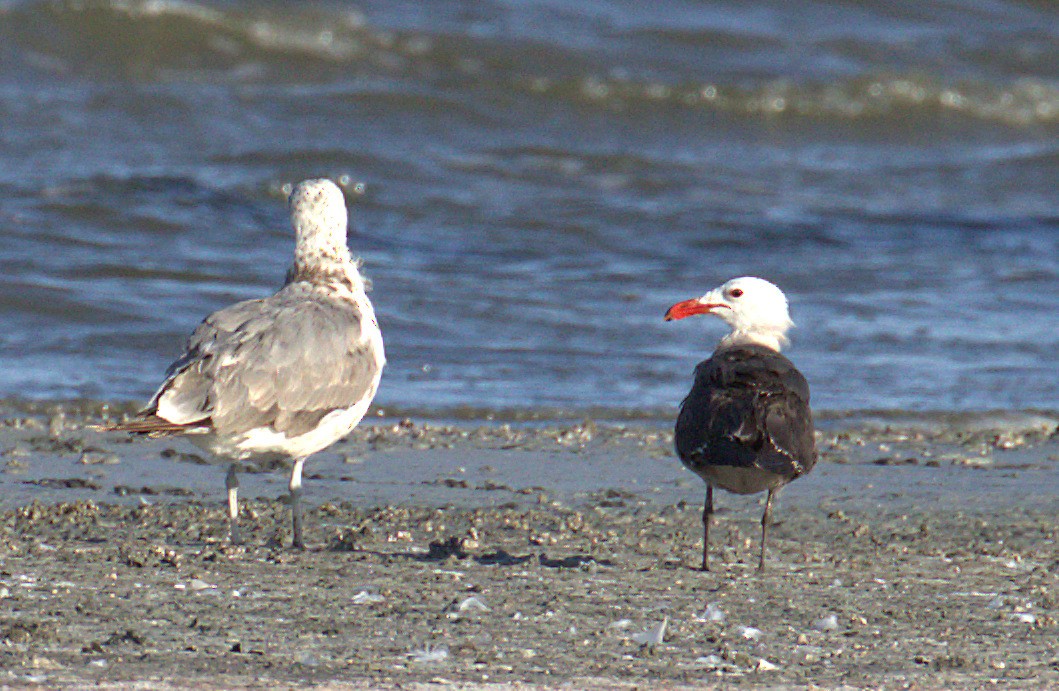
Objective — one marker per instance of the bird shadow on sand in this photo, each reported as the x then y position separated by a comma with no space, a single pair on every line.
453,549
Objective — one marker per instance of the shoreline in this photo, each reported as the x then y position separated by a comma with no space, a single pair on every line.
51,451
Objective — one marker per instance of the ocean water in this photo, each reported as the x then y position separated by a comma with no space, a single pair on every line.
532,184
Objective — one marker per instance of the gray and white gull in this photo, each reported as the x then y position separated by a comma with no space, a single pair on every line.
746,426
284,376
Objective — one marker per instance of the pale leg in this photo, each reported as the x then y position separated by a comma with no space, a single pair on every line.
766,519
295,487
231,483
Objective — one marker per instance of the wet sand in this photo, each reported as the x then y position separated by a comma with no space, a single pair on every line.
919,553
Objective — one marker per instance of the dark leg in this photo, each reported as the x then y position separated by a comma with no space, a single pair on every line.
231,483
766,520
707,516
295,488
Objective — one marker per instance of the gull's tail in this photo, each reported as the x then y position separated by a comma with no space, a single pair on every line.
154,426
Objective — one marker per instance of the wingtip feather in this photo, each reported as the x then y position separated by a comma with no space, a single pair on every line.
153,426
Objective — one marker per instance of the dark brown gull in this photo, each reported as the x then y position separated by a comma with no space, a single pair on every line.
745,426
284,376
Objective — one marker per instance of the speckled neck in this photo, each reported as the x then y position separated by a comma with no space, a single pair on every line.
318,214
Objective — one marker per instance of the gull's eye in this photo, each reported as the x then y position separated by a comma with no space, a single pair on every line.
735,292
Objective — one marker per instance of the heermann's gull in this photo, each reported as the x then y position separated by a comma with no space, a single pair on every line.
746,424
282,376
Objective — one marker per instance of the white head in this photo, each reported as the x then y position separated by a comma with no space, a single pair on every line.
318,214
754,308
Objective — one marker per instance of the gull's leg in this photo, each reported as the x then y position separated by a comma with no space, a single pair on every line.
231,483
707,516
295,487
766,519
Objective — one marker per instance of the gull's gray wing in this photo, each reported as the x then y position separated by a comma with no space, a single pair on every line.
282,362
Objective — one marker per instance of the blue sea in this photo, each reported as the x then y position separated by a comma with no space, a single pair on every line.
532,184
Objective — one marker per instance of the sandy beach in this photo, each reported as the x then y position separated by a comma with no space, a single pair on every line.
921,553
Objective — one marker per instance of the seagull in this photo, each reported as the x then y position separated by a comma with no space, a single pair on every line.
284,376
745,426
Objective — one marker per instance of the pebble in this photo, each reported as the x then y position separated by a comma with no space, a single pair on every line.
652,636
429,654
473,603
366,598
750,633
99,458
713,613
828,623
711,661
